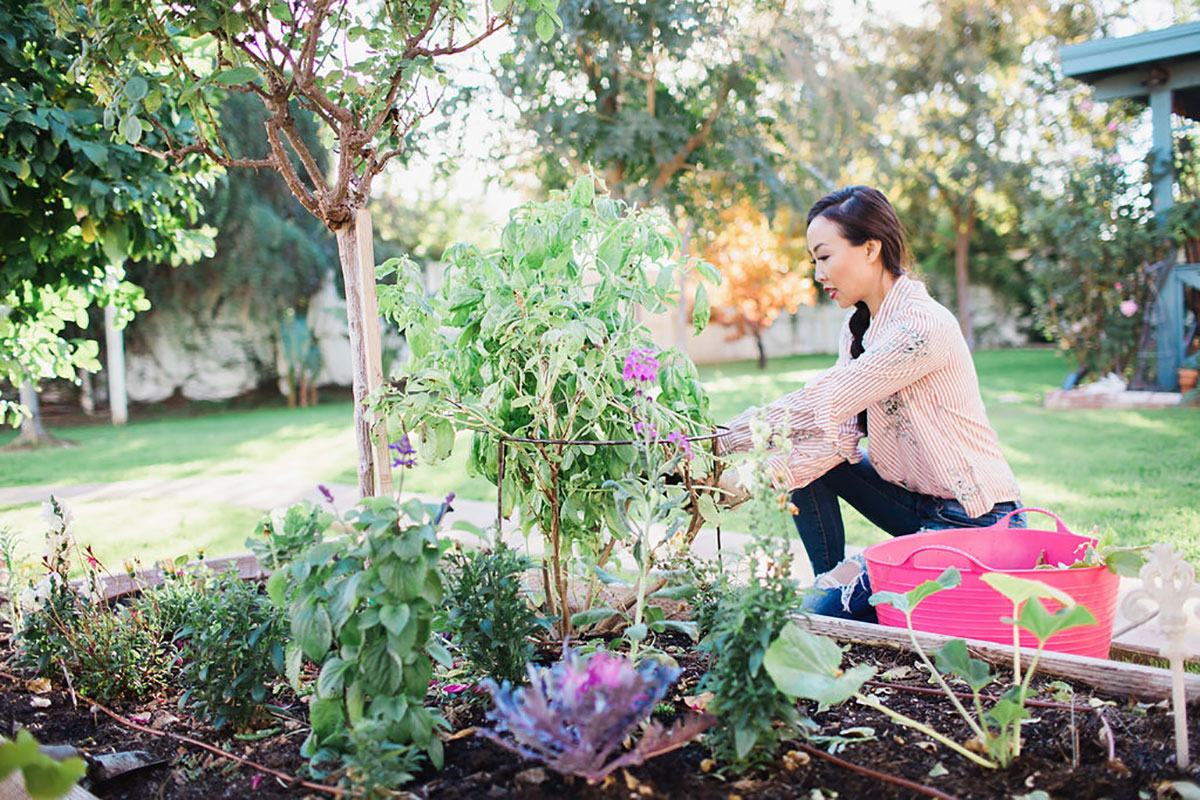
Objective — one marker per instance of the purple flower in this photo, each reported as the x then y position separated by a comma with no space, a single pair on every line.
450,498
324,490
681,441
641,366
646,429
405,454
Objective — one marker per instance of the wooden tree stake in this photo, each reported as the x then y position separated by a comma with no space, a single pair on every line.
373,342
1169,582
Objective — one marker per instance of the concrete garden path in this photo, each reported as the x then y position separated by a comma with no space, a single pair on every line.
268,491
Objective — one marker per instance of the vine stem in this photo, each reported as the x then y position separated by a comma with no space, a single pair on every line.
290,780
928,791
974,726
871,702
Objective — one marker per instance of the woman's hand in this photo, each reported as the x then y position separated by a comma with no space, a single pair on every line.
730,491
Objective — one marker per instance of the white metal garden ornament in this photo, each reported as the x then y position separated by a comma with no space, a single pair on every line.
1169,582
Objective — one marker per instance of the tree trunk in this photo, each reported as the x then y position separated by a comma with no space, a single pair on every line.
114,345
33,433
348,255
762,350
87,393
963,223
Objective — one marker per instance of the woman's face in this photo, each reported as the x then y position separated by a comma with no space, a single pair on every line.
847,272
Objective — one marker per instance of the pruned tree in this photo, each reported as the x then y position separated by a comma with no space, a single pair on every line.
759,281
369,72
73,206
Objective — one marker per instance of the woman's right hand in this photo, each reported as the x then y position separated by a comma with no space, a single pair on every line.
730,491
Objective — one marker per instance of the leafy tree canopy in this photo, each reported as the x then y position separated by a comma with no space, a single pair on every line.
73,205
659,96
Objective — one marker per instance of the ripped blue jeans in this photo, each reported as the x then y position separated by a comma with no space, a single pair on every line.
842,588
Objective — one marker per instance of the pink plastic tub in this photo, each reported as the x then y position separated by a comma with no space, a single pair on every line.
973,610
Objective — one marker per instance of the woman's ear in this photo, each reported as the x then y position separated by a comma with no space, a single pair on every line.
874,248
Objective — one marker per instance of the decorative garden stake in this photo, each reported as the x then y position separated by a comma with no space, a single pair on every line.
1169,582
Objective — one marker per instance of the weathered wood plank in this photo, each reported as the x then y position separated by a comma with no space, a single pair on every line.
1111,677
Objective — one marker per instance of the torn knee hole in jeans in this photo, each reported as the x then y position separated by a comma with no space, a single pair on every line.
846,576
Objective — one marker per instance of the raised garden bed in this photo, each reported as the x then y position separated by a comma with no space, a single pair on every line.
1108,735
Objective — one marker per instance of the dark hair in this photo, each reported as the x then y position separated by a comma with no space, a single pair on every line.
863,213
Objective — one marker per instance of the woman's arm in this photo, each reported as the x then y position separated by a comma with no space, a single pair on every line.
821,418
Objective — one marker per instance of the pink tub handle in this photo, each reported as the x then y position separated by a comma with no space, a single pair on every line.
970,558
1003,521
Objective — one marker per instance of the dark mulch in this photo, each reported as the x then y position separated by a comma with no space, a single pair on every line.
476,768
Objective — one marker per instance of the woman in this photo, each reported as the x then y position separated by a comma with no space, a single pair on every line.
904,373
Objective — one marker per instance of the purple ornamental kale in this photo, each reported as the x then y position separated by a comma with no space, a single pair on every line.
575,715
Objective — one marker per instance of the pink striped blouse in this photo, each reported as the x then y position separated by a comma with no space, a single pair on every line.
929,431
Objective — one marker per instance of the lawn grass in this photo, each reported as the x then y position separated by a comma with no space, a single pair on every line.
1134,472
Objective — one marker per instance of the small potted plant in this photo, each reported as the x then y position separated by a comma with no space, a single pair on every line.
1188,371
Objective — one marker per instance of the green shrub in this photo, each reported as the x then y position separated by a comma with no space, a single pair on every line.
488,615
232,646
108,650
362,609
282,534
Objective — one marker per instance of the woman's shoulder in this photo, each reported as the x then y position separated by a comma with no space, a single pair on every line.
920,307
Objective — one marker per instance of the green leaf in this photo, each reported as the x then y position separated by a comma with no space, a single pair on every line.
908,602
1018,590
329,682
395,618
744,739
1007,710
953,657
708,509
687,627
327,718
17,753
136,88
236,76
680,592
312,630
803,664
592,616
277,587
606,577
544,26
131,129
636,633
48,779
583,192
153,101
1036,619
701,309
1125,561
439,653
293,659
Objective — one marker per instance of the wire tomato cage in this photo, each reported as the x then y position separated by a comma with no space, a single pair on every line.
558,444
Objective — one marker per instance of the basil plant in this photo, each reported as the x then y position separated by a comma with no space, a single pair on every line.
528,341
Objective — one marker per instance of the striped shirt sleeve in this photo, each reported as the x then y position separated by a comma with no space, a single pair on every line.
821,419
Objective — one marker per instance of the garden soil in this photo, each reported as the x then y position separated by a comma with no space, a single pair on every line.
1141,735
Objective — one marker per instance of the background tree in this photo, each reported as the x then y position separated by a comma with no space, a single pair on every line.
270,254
369,73
962,114
73,206
664,99
760,280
